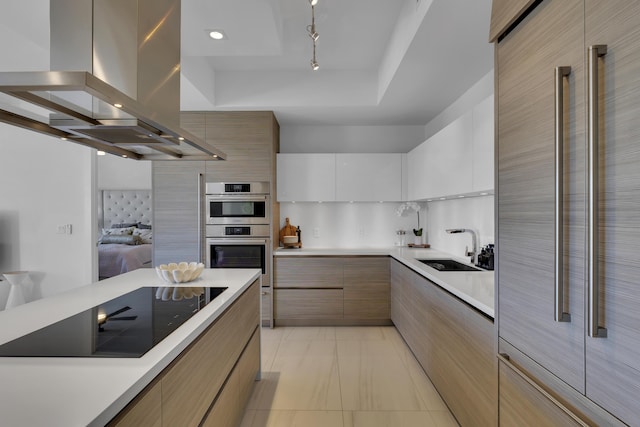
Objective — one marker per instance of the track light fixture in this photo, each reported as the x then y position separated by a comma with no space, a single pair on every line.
311,29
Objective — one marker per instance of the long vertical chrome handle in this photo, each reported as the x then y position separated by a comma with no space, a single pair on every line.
560,314
595,331
201,231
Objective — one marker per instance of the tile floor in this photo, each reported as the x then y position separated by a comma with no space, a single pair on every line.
342,377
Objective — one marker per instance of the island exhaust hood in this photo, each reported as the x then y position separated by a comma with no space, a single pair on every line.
114,84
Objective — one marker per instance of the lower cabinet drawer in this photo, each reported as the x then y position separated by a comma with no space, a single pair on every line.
145,410
367,301
522,404
228,409
308,303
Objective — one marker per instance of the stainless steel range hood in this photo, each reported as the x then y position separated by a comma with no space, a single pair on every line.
125,100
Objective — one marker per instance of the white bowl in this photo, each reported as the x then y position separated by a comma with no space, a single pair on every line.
179,273
290,239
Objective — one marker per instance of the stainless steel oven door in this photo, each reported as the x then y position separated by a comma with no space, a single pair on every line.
224,209
240,253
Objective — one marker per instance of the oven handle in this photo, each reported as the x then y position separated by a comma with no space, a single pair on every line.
238,198
234,240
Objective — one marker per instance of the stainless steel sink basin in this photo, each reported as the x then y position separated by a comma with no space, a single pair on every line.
448,265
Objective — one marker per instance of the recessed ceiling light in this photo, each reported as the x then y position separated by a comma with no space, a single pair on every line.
181,138
217,34
484,194
101,153
117,105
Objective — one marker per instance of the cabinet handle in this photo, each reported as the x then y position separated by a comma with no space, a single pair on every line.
594,53
201,230
560,315
506,360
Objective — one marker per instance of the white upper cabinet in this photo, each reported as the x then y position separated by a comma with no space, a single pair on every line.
306,177
483,139
417,175
456,160
367,177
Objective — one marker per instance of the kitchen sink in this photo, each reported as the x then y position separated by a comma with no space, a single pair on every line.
448,265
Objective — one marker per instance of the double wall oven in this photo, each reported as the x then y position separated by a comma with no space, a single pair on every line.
238,226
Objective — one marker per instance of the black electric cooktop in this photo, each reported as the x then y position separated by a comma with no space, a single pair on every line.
127,326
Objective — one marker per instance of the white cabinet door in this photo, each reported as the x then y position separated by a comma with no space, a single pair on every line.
368,177
417,172
306,177
456,160
450,156
483,153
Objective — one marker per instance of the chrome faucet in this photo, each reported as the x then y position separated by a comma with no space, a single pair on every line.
474,242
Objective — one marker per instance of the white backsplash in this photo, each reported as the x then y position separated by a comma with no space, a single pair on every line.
476,213
356,225
350,225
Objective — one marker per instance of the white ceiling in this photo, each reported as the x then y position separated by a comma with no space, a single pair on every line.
382,62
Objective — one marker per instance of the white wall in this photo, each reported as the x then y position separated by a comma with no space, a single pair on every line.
46,182
116,173
350,225
474,95
350,139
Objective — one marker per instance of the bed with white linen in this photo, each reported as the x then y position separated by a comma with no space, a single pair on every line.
126,231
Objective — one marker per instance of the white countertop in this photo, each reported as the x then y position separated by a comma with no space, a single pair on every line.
59,391
473,287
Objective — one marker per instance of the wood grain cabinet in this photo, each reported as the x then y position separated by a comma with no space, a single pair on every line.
453,343
366,288
176,228
327,290
535,409
228,409
211,380
567,179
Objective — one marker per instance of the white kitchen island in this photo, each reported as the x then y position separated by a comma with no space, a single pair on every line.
79,391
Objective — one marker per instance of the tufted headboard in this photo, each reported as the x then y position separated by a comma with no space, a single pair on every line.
124,206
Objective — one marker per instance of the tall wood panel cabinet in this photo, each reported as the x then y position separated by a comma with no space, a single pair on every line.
568,194
177,233
251,140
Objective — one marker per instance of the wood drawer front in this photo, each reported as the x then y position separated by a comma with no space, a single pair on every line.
228,409
367,269
308,272
366,301
144,410
309,303
192,382
521,404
